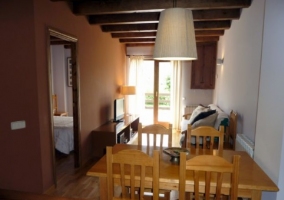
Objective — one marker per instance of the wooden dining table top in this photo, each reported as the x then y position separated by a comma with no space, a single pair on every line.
251,176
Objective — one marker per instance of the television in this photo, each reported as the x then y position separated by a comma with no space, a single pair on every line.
118,110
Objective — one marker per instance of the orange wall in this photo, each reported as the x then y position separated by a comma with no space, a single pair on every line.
26,162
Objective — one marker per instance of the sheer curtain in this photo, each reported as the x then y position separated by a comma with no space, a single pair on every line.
176,94
136,102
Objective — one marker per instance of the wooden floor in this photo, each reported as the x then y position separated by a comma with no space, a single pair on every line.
74,183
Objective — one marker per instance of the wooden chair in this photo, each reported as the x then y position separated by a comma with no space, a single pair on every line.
131,163
208,171
54,103
55,108
204,132
155,130
231,133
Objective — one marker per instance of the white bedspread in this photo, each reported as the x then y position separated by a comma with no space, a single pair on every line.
63,134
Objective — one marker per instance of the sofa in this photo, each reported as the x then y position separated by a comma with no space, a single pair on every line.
210,115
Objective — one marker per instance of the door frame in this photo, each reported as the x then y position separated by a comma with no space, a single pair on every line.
72,41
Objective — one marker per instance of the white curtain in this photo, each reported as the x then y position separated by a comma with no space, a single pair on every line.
176,94
136,102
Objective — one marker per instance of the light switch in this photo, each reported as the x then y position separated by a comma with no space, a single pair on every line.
18,125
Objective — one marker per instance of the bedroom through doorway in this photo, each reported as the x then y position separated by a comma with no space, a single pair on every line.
64,101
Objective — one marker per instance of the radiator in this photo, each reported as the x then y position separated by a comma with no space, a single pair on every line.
243,143
190,108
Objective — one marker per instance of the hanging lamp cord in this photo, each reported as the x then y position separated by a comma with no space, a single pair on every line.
174,3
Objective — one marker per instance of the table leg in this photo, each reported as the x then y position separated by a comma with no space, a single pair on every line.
103,188
256,195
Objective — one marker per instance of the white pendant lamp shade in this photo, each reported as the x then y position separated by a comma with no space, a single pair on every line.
175,38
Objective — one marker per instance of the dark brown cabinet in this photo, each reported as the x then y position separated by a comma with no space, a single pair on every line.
204,69
112,133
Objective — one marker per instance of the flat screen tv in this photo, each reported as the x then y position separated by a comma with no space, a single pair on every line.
118,110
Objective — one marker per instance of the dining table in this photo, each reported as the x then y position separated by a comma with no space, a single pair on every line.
252,179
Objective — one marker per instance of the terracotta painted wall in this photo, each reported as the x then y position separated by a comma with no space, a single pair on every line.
20,166
26,153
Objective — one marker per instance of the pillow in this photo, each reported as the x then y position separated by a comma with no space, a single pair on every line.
203,115
207,121
196,112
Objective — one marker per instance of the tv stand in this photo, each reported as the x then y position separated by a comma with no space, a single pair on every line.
112,133
118,121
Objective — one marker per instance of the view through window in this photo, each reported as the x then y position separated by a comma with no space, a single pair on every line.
147,76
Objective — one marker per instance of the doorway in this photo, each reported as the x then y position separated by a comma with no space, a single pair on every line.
58,38
156,76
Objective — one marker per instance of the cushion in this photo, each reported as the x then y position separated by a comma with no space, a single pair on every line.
207,121
221,115
196,112
203,115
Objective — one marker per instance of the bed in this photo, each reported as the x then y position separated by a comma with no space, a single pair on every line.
63,129
63,134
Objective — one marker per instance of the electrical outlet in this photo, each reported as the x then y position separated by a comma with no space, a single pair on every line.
18,125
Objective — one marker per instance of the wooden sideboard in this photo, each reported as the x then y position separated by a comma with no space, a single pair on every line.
112,133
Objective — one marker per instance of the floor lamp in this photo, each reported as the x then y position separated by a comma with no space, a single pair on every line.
127,90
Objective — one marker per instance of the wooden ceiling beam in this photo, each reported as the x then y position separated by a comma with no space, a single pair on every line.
212,25
137,40
207,39
129,27
152,40
134,35
138,44
153,17
202,25
209,33
132,18
131,6
220,14
153,34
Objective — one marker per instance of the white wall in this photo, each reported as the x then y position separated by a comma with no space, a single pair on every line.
250,82
69,93
269,152
59,78
238,78
140,51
